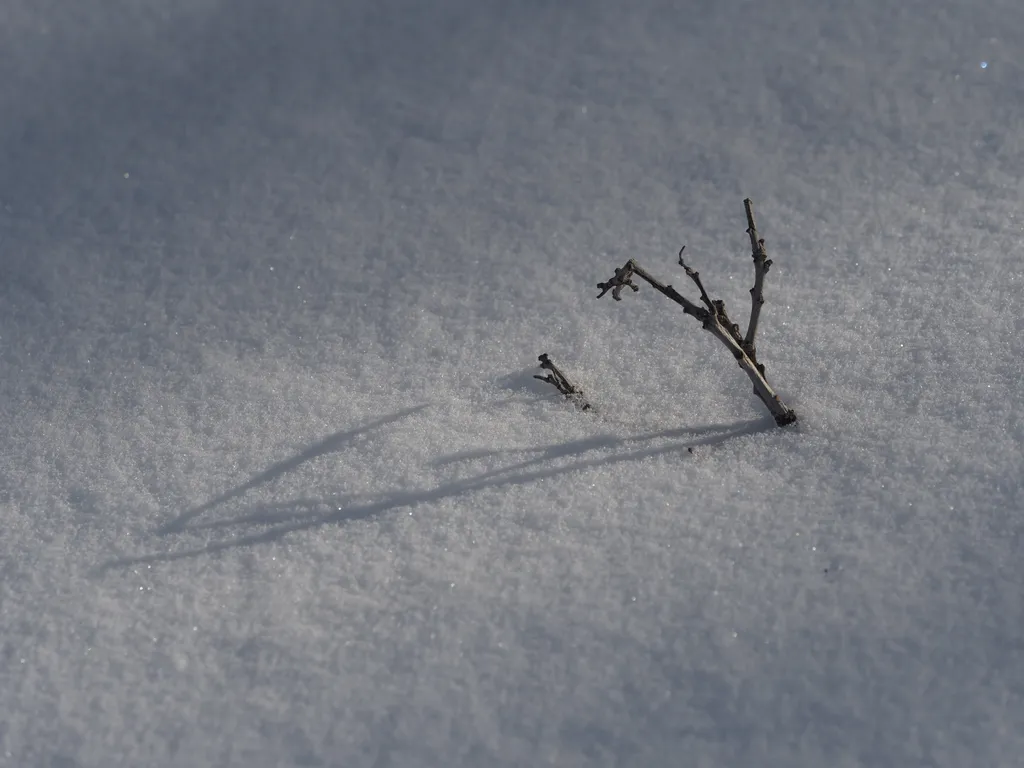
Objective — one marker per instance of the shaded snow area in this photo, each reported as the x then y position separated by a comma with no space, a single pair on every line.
277,487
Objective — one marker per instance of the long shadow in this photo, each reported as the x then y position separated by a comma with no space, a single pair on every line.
705,436
330,444
578,447
300,520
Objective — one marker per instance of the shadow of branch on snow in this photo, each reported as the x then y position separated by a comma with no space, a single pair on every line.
329,444
596,443
306,514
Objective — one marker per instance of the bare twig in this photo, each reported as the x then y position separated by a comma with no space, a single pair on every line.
761,266
623,278
695,276
560,382
716,306
714,319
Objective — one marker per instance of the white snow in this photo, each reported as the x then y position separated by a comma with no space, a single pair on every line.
277,487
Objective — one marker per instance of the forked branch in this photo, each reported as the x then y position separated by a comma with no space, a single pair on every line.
713,317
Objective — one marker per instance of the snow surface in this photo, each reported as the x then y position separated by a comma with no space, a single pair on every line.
277,487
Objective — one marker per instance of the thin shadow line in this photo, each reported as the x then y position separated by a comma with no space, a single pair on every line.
414,498
329,444
579,447
283,512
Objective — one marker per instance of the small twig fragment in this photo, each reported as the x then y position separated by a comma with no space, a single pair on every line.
560,382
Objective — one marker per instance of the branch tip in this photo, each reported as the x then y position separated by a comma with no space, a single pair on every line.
622,279
761,266
695,276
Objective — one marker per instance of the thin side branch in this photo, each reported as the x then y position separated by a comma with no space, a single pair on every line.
695,276
761,265
560,382
715,306
623,278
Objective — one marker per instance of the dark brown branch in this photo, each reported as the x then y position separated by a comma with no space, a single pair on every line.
761,265
560,382
716,306
623,278
695,276
714,319
727,323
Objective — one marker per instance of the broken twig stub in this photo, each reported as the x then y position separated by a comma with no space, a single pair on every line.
561,382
